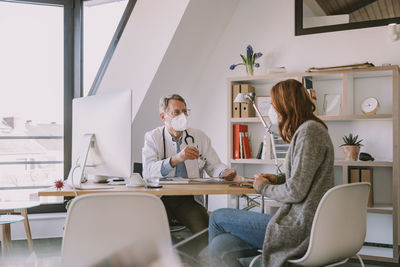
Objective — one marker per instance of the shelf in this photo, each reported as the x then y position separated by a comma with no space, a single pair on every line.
255,161
376,253
355,117
323,117
248,120
364,163
337,162
381,208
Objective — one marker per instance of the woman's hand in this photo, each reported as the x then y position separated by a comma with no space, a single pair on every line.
263,177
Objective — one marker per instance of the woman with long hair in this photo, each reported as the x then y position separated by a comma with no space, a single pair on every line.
235,234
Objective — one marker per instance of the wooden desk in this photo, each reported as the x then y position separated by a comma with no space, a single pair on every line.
166,190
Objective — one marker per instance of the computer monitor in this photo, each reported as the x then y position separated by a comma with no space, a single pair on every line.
101,136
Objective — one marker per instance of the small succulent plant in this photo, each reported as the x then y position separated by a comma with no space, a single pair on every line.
351,140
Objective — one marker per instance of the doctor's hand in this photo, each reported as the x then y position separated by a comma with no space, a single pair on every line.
228,174
263,177
188,153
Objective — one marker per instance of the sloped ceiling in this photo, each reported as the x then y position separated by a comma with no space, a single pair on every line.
361,10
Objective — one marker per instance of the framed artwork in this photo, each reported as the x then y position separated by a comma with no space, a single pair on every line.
332,104
263,104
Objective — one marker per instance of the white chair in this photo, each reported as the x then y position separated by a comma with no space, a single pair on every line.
100,225
339,227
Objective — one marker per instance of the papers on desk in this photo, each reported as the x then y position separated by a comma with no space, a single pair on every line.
174,180
212,180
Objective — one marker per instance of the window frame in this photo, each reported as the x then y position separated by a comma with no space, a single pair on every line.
73,70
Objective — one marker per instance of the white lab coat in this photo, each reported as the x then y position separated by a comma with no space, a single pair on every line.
153,152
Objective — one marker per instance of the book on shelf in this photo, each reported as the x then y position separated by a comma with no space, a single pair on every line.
241,142
366,176
237,130
260,150
358,175
342,67
307,82
246,146
354,175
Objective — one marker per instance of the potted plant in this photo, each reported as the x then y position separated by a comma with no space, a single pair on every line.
351,147
249,61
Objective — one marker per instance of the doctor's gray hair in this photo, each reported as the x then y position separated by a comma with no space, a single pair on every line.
164,101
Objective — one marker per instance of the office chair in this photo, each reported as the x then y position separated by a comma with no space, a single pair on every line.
339,227
100,225
138,168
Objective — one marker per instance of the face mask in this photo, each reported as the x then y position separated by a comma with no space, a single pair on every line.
179,123
273,116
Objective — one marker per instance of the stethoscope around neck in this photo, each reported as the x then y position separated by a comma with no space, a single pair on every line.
185,139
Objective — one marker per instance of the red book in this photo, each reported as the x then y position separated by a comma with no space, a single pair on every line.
246,147
237,129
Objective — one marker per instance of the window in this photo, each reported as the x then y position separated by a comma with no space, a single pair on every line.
33,97
100,22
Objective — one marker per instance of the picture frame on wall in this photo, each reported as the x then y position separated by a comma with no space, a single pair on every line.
332,104
263,104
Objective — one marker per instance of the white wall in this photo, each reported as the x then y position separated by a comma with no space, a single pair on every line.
268,25
142,46
194,41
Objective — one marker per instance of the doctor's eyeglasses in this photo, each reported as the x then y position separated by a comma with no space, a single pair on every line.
177,112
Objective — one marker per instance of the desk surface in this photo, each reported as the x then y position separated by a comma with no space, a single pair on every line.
166,190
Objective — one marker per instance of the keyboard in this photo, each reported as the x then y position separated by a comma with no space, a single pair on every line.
91,187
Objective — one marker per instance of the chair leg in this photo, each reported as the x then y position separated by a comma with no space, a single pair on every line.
361,261
254,260
27,229
5,239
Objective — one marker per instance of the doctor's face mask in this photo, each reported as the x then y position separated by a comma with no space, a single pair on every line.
179,123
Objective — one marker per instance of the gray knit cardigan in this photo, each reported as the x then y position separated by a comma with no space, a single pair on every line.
308,175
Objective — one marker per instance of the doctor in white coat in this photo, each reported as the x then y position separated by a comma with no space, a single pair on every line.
173,150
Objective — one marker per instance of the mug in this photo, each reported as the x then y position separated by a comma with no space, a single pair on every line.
135,180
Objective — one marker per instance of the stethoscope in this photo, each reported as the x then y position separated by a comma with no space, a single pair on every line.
185,139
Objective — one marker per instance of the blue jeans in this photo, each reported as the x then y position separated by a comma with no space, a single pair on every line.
235,234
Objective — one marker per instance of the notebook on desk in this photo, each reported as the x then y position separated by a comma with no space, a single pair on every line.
212,180
174,180
180,180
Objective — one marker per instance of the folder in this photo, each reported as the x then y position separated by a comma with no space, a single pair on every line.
366,176
237,129
235,106
354,175
246,146
247,110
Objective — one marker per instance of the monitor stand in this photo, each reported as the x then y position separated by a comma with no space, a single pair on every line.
76,174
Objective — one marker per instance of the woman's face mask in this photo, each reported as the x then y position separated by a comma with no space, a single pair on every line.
273,116
179,123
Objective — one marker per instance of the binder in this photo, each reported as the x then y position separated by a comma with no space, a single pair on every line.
366,176
246,146
235,106
354,175
237,129
247,110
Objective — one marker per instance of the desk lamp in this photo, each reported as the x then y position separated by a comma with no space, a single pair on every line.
249,98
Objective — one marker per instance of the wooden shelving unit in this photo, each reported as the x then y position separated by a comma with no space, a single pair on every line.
380,132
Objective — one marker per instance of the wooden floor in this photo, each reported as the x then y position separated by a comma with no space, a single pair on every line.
48,252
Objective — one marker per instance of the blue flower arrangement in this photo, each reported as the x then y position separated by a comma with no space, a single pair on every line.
249,61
